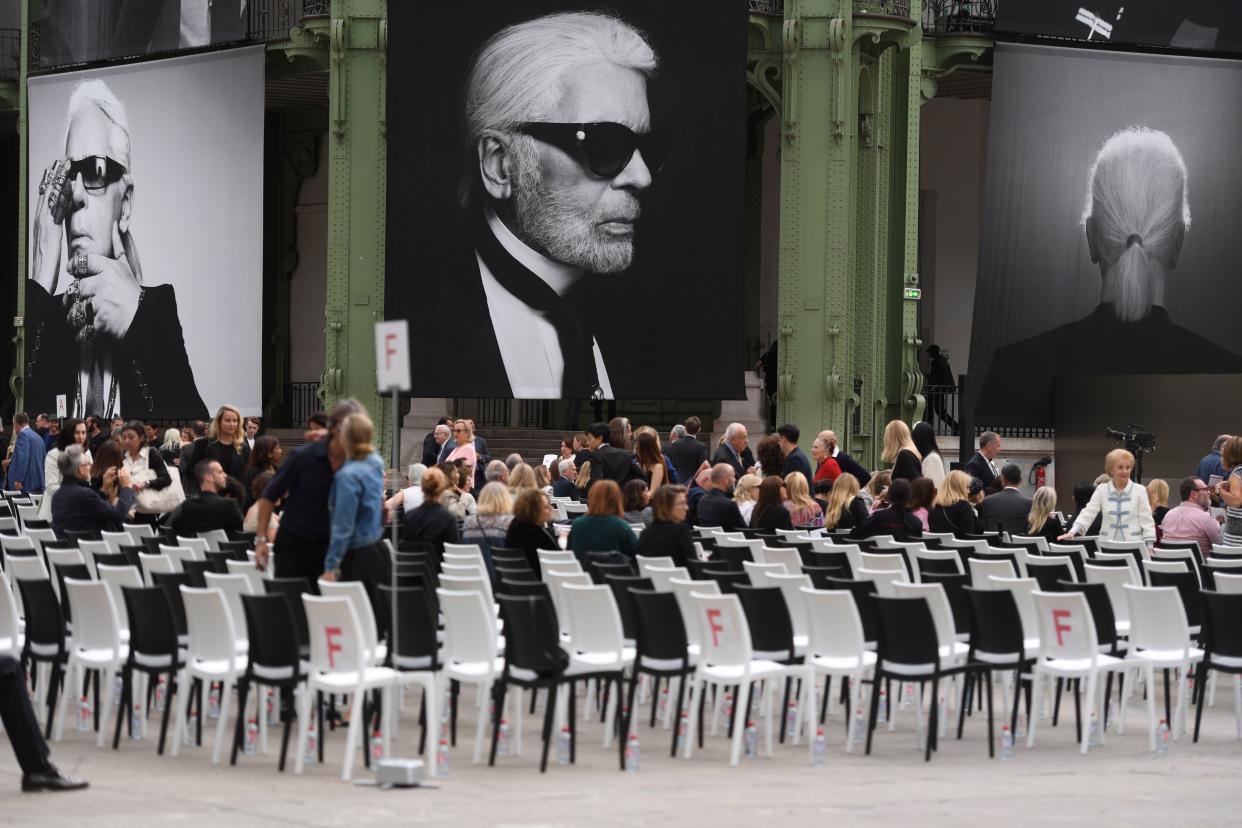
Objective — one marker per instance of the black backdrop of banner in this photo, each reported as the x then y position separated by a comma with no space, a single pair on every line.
1191,25
1038,304
83,31
671,323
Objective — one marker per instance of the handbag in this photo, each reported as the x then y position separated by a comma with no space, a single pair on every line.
149,501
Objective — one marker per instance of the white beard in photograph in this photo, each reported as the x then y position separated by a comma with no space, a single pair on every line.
550,223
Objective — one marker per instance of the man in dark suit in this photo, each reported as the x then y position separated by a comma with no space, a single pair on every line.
112,341
80,508
483,453
564,485
982,466
795,458
847,463
436,439
607,461
25,467
687,452
1008,510
527,308
207,510
717,507
735,450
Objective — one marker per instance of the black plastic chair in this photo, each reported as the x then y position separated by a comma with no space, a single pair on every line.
821,575
1193,546
153,650
152,545
45,636
732,557
171,583
1222,642
243,536
620,586
1048,576
537,588
601,569
771,632
292,589
953,584
908,642
219,562
838,560
416,646
663,652
936,566
194,572
513,572
81,534
1208,572
273,661
111,559
131,552
728,579
996,643
864,593
534,659
235,549
78,572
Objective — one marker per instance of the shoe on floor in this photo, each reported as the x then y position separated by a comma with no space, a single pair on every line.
51,780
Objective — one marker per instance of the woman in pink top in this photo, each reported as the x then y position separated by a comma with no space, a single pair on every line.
464,435
922,493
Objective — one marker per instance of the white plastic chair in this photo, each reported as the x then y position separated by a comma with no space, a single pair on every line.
1160,638
836,646
250,572
91,548
178,555
234,587
791,587
11,639
661,577
938,555
555,581
463,548
981,569
1034,562
1229,584
1069,649
1040,541
198,545
1114,579
16,544
647,562
758,572
114,541
154,563
339,665
884,580
137,531
882,562
116,578
40,536
356,592
728,660
1132,565
471,654
1023,591
786,555
213,538
596,641
470,570
1164,566
96,645
684,588
464,558
211,657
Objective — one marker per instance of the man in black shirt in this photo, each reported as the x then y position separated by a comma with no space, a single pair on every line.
795,458
607,461
304,482
207,510
717,507
686,451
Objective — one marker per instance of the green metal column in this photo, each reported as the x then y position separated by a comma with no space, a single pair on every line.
356,204
16,384
816,342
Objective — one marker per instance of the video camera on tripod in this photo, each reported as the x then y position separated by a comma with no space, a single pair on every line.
1138,442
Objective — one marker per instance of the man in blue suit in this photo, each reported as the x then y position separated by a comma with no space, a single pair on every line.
26,465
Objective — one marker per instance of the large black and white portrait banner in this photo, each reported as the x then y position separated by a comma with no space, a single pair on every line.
1111,202
566,198
144,296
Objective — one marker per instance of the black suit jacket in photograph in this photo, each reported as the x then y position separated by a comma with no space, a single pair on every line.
686,454
1006,511
150,364
724,454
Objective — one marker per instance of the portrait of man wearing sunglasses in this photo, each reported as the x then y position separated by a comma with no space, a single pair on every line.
95,332
560,151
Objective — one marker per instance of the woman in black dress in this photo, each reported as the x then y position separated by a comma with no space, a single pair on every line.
770,513
951,511
528,531
846,509
225,443
900,451
895,519
668,535
264,457
432,523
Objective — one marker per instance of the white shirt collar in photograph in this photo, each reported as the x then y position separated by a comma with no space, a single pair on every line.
560,277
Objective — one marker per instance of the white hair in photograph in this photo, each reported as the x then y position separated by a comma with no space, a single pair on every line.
1138,203
517,74
93,92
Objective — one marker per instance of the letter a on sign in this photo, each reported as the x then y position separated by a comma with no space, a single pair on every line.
392,355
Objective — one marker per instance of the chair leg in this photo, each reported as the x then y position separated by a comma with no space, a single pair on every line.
304,724
1168,712
571,717
225,692
171,689
655,698
53,689
1201,676
933,720
454,692
123,705
854,683
681,698
548,715
109,690
1092,680
1037,684
485,690
357,728
497,706
741,700
875,709
1017,700
180,724
1056,703
1077,708
58,713
784,711
629,705
991,734
1151,706
286,726
823,710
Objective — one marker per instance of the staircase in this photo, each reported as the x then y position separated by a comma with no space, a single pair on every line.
531,443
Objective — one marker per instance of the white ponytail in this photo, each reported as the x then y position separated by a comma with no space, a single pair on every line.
1138,199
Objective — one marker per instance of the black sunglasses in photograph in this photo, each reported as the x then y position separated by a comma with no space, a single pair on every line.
97,171
606,146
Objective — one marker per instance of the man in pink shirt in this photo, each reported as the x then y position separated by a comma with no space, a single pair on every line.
1190,520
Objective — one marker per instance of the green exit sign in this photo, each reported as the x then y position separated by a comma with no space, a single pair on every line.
913,293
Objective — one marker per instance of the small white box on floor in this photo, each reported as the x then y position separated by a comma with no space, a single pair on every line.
401,773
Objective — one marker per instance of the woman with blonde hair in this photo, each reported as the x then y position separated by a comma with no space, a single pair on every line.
431,522
356,505
745,493
463,433
1041,520
1158,495
522,477
803,510
1122,502
845,508
490,522
951,510
873,493
900,452
225,443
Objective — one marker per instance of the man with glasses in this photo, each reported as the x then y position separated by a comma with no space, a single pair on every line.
95,331
561,150
1190,520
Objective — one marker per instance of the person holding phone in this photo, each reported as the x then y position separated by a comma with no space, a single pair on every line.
94,328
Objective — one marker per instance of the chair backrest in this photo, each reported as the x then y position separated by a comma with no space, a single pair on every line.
981,569
1066,626
198,546
1114,579
180,554
1229,584
1039,540
908,633
1016,554
356,593
213,538
683,589
213,635
885,580
64,557
548,568
139,530
786,555
1101,610
1022,589
463,548
233,587
835,626
109,559
292,589
551,556
469,626
1047,570
479,583
17,543
661,576
274,642
97,626
1076,553
758,572
336,638
28,567
661,629
459,570
1187,586
1222,617
45,623
770,621
724,634
596,621
115,540
515,572
882,562
1130,561
938,604
1188,552
1157,619
621,586
791,587
647,561
417,611
464,558
152,627
531,639
728,579
250,572
153,564
1165,566
864,593
117,578
995,623
938,560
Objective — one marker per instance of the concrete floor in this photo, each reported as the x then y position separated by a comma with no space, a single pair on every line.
1118,782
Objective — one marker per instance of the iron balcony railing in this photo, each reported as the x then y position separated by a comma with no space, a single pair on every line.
775,8
943,413
10,53
959,16
272,19
889,8
303,402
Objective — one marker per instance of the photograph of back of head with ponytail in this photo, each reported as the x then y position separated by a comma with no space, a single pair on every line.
1088,266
